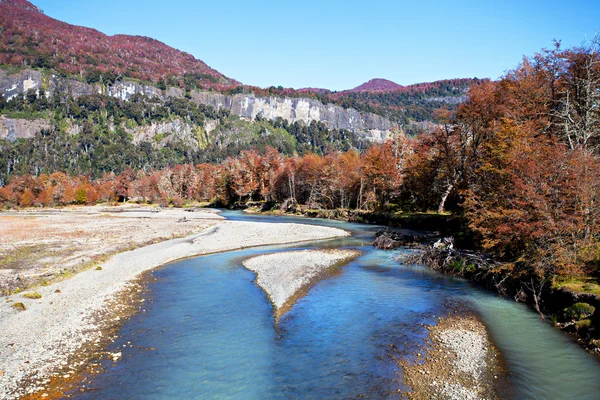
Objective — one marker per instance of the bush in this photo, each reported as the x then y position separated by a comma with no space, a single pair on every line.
164,200
177,202
579,311
33,296
583,324
20,306
26,198
81,196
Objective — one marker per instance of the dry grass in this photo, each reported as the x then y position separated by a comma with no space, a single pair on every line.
14,229
40,247
32,295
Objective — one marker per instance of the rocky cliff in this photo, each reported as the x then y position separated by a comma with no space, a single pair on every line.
15,128
370,126
373,127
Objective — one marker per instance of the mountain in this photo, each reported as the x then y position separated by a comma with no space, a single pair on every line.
48,56
30,37
375,85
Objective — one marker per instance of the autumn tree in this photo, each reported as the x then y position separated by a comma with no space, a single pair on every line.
381,170
533,195
27,198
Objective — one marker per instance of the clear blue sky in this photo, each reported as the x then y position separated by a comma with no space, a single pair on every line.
341,44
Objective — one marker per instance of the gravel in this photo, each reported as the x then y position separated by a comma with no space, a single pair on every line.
40,245
35,343
283,275
470,349
459,362
455,391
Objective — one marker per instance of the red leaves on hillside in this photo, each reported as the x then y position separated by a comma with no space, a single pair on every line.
30,37
377,84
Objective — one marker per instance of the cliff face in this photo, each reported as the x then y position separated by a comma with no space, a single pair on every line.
12,129
370,126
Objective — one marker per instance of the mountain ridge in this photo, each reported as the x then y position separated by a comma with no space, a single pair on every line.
30,37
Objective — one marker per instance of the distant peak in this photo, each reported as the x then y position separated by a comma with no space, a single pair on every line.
24,4
377,84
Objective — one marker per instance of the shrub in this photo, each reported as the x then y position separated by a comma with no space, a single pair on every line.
81,196
33,296
579,311
583,324
177,202
20,306
26,198
164,200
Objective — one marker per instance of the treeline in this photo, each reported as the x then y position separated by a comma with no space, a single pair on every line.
420,102
520,161
337,180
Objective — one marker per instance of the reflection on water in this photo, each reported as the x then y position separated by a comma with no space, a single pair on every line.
208,332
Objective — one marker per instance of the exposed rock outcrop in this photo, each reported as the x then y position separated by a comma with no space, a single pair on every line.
176,130
12,129
370,126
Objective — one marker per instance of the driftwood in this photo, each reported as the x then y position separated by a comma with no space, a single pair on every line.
442,256
479,267
390,240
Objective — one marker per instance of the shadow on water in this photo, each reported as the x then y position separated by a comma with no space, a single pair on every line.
208,332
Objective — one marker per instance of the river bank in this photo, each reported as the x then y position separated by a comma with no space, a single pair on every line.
38,342
444,224
40,246
458,362
575,313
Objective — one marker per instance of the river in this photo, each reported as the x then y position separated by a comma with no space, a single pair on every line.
207,332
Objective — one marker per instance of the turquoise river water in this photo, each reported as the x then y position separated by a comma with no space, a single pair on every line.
207,332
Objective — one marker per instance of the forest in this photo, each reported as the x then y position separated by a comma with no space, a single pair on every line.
519,161
94,134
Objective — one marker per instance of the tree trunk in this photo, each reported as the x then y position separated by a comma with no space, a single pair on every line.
360,195
445,197
536,295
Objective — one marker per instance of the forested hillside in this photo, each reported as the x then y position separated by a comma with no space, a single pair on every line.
31,39
408,105
28,37
96,134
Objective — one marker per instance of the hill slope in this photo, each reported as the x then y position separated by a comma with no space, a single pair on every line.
376,84
30,37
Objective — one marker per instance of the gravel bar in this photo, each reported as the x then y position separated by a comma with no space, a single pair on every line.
284,276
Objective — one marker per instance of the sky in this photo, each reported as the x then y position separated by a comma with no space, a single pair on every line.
340,44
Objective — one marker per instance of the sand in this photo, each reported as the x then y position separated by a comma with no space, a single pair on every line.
43,245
